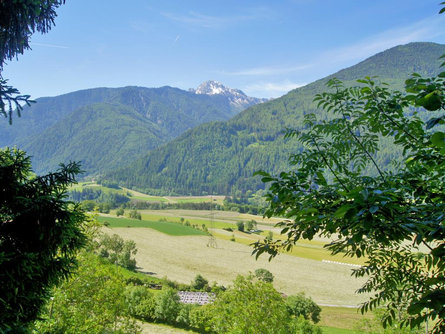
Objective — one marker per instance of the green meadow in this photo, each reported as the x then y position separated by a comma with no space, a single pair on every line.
170,228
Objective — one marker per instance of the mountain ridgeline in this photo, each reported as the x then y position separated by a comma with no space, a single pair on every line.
107,128
220,157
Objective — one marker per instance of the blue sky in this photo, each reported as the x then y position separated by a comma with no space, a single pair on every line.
264,48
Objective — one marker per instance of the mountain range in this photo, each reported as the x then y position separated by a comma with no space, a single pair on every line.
106,128
220,157
199,141
237,98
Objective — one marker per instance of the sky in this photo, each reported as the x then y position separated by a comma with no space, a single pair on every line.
265,48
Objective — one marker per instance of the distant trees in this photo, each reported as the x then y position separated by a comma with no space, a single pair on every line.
240,226
120,212
167,306
116,250
250,225
135,214
264,275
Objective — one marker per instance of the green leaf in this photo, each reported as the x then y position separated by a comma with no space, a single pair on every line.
431,101
434,121
341,211
438,139
373,209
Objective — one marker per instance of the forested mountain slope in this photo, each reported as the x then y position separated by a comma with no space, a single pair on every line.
105,127
222,156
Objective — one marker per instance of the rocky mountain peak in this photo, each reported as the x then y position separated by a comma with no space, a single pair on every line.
236,97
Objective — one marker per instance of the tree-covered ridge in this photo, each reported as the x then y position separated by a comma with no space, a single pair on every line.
102,136
222,156
105,127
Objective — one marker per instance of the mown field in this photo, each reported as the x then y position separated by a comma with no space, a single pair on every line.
215,221
181,258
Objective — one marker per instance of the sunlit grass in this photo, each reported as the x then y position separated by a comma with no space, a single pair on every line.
341,318
170,228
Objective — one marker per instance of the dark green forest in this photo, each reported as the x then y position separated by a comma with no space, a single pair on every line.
221,157
93,126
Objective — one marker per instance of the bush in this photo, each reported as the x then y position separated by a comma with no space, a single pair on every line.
167,306
302,326
200,283
251,307
300,305
264,275
120,212
240,226
135,214
183,318
202,318
140,303
91,301
117,250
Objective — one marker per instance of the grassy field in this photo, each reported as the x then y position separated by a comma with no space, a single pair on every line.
144,197
313,249
181,259
174,229
342,318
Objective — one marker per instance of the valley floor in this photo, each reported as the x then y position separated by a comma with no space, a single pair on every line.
181,258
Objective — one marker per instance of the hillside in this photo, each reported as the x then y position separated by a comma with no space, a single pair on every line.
222,156
107,127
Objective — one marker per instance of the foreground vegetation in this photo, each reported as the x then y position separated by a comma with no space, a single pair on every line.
102,297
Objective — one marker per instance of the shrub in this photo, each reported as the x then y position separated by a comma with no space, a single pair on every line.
120,212
183,318
240,226
199,283
202,318
140,303
117,250
300,305
167,306
251,307
134,214
264,275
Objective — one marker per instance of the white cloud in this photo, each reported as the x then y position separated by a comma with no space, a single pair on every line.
271,89
195,19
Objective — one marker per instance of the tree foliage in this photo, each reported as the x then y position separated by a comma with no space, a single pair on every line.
264,275
393,217
18,21
93,300
40,233
300,305
199,283
116,250
253,307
